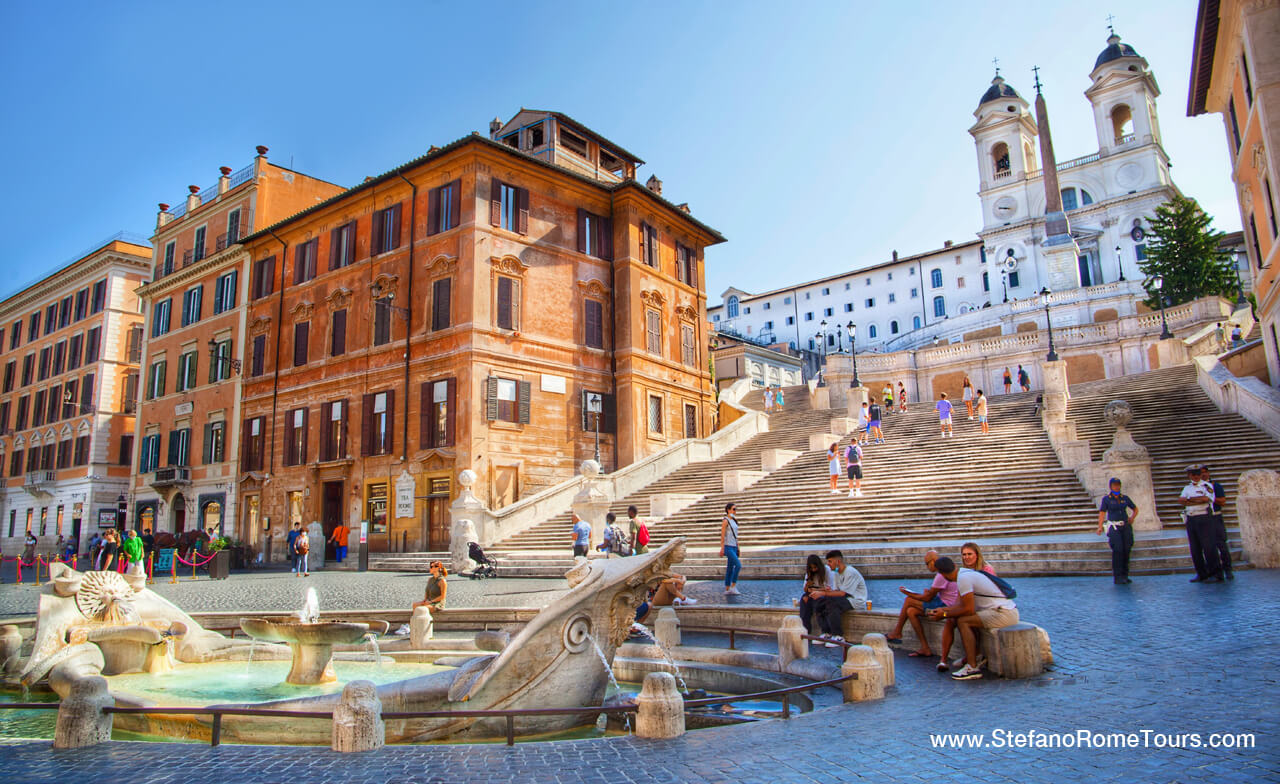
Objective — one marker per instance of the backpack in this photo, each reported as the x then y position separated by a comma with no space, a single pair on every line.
1002,584
618,543
853,454
642,535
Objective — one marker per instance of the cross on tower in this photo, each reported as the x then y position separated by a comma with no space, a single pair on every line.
1036,69
996,62
1111,27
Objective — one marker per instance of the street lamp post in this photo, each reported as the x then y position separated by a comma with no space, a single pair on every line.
1004,283
214,356
595,406
839,339
1120,262
1235,263
853,351
1052,356
1157,283
822,344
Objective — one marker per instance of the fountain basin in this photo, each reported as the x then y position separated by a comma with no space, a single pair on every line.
311,642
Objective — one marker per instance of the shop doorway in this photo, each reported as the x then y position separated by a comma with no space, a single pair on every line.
179,514
331,515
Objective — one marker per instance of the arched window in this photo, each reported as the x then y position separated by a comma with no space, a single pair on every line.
871,331
935,277
1000,158
915,322
893,327
1069,200
1085,198
1122,123
939,307
733,306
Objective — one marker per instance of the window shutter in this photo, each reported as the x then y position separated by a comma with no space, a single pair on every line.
375,233
522,202
582,230
259,355
269,275
326,444
515,305
299,263
433,212
334,239
495,202
342,430
504,303
450,410
594,324
441,303
191,370
207,452
586,423
301,333
173,447
306,434
606,239
391,419
262,446
351,242
366,427
424,417
610,423
338,345
491,398
455,214
525,399
395,227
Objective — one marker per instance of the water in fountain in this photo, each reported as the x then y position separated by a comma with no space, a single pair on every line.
608,670
310,612
372,639
666,654
248,663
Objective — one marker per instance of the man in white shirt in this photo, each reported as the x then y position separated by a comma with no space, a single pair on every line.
847,589
1197,502
982,605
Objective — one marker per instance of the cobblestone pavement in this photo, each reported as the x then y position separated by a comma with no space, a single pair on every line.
1160,655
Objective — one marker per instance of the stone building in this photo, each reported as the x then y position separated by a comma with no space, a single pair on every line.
1235,72
69,345
457,312
186,438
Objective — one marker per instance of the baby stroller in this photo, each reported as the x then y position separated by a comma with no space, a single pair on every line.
485,566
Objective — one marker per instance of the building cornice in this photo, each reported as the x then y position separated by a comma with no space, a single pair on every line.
60,282
233,255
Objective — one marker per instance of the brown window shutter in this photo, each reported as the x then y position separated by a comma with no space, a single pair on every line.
375,233
425,430
522,202
606,238
644,243
342,430
525,398
515,304
326,445
440,303
366,426
582,403
338,345
246,455
450,411
395,227
610,423
269,275
299,263
592,318
433,212
333,250
288,439
301,333
495,202
351,242
582,230
455,216
306,434
262,444
391,418
504,303
491,398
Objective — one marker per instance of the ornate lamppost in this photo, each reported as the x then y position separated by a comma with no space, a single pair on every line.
853,350
1157,283
1053,354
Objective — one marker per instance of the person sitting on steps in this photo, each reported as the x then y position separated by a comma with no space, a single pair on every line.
982,605
437,588
817,577
847,587
940,593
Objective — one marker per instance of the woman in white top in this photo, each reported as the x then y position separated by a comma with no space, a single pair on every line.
833,468
729,549
968,395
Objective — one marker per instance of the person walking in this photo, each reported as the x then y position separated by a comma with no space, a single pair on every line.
109,551
1237,335
864,423
29,547
340,537
1219,524
768,399
887,395
131,551
980,405
966,395
874,413
288,542
1197,501
1008,381
777,399
1116,512
729,549
944,415
581,536
1220,336
638,531
301,546
833,468
902,398
853,463
1024,380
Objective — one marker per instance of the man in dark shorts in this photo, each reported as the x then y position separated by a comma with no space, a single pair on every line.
1116,513
1219,524
874,413
1024,380
853,459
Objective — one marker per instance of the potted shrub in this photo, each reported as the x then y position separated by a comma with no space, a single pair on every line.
220,566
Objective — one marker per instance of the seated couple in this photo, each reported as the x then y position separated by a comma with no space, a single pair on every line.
829,590
962,597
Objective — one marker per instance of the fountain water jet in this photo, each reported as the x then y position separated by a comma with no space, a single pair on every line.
310,639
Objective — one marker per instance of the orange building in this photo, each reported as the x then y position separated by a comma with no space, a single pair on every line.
68,344
457,312
186,439
1235,71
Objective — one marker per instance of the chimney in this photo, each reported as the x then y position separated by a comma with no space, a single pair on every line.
684,207
262,150
654,184
193,198
895,255
946,243
495,125
163,216
224,182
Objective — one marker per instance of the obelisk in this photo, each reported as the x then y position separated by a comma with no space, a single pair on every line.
1060,251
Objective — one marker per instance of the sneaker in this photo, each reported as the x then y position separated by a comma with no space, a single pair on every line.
827,641
967,673
835,492
690,601
857,493
943,666
732,591
854,494
836,640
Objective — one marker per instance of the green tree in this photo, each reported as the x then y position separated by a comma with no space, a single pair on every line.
1184,251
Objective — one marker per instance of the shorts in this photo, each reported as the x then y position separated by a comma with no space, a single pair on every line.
874,423
946,420
580,550
998,617
982,417
935,603
855,471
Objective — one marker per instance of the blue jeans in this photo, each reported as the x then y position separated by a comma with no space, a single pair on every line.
734,566
299,562
340,551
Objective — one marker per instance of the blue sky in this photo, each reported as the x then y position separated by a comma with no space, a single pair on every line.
818,137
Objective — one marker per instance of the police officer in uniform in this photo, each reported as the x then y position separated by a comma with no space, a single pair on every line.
1116,513
1219,524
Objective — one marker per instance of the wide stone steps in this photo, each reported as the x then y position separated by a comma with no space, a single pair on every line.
794,399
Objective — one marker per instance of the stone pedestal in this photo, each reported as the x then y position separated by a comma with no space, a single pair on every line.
791,642
869,685
855,397
315,556
10,649
738,480
467,507
843,426
663,505
1059,252
421,627
667,628
818,442
661,708
1171,351
81,719
357,719
461,535
821,398
1258,507
884,654
1128,461
592,501
773,459
838,375
1056,393
1015,652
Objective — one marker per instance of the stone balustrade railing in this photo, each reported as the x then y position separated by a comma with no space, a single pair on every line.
1248,396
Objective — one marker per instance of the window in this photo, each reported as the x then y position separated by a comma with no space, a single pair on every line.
149,454
786,300
689,345
92,342
768,325
935,278
198,248
155,380
733,306
893,327
129,403
1013,279
826,291
15,469
338,333
264,277
595,235
254,444
960,282
160,318
15,335
868,281
791,320
64,454
301,333
847,285
653,331
436,421
826,311
191,301
186,372
64,313
1248,82
747,309
655,414
986,281
573,142
55,404
808,316
51,319
1235,124
890,276
258,357
382,321
20,415
82,451
939,307
75,351
44,364
180,447
167,265
649,245
33,326
915,322
126,450
224,292
441,301
444,207
342,246
1271,204
807,295
690,420
508,207
871,331
593,323
870,302
687,267
59,357
1253,235
378,436
99,296
4,416
135,345
10,370
295,446
233,229
220,362
304,260
507,400
848,307
386,230
606,420
508,303
893,297
215,443
766,306
333,420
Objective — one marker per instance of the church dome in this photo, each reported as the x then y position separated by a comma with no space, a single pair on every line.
998,90
1114,51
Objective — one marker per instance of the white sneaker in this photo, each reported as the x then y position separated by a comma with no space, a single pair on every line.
835,492
857,493
853,494
732,591
966,673
690,601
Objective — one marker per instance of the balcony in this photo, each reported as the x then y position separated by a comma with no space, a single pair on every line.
171,476
40,481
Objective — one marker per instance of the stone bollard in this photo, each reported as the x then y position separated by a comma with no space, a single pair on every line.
869,685
1258,507
421,627
357,719
661,708
1017,651
10,649
667,627
791,642
81,719
884,654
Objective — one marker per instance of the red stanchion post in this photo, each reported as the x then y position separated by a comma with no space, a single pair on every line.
151,567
